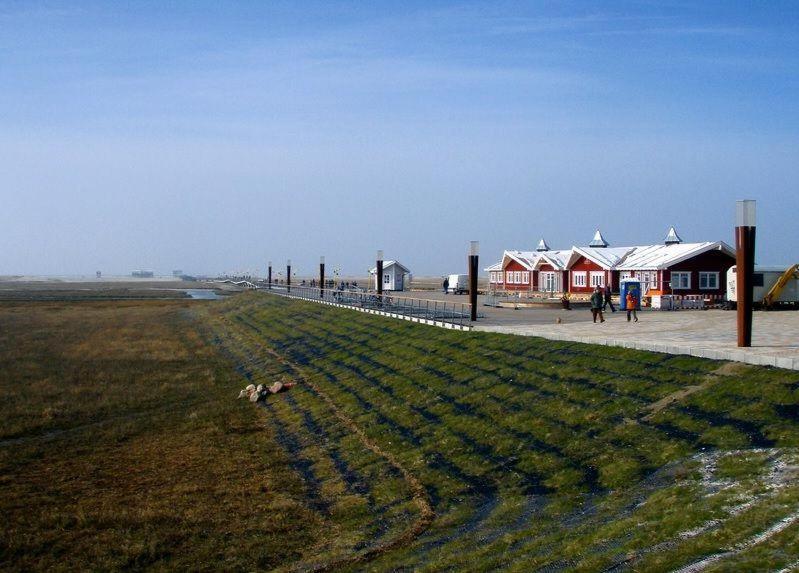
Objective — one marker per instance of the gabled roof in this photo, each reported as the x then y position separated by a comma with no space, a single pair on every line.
558,259
656,257
495,267
598,241
387,264
527,259
605,257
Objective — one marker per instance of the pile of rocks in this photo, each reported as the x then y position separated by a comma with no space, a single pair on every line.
254,393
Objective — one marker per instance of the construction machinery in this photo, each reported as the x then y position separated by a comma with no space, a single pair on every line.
772,287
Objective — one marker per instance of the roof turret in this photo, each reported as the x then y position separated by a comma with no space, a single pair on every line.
672,238
542,245
598,241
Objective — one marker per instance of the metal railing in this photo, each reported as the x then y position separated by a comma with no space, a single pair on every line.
454,313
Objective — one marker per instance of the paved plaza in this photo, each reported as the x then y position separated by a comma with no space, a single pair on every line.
704,333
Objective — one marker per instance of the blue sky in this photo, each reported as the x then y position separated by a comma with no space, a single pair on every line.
215,136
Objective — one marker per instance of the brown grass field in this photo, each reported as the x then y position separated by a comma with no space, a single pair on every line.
121,447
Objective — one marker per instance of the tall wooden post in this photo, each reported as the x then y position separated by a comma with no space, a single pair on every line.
321,277
379,276
288,275
269,275
744,268
474,248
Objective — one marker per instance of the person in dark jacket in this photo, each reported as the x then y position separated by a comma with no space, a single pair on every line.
597,300
446,285
607,300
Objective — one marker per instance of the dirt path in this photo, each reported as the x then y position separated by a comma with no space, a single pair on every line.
726,369
419,494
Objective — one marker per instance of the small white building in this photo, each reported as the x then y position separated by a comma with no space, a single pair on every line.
395,276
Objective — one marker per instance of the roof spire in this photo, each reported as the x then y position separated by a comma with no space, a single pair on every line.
598,241
672,238
542,245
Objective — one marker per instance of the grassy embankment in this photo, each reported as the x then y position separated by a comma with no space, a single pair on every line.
123,445
537,453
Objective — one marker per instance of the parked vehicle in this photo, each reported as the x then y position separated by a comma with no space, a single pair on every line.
771,287
458,284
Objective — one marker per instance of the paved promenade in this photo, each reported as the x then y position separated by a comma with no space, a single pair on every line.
708,334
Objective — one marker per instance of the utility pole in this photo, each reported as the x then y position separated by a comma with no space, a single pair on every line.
288,275
269,276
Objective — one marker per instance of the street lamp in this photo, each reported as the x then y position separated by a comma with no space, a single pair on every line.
744,267
379,275
474,251
322,277
288,275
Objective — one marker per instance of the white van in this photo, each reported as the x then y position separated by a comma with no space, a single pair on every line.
458,284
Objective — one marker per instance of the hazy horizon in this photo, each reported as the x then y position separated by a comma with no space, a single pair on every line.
213,138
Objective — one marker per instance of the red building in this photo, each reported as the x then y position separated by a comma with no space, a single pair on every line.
673,267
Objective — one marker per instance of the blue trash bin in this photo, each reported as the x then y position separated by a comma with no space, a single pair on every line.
632,286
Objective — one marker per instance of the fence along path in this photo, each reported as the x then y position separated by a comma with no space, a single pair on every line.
452,315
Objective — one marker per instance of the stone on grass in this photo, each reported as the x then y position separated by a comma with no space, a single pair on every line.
254,397
276,387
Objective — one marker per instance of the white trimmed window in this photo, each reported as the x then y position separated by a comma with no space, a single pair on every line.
578,278
492,277
547,281
509,277
517,277
626,275
386,278
708,280
526,277
680,281
500,277
597,278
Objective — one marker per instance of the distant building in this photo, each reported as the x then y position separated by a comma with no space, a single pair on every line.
394,276
142,274
177,273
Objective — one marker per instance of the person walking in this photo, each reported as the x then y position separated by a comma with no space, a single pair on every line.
632,306
596,304
607,300
446,284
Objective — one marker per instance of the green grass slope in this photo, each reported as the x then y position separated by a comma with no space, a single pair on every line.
533,454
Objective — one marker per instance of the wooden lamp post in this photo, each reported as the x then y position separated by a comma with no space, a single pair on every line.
745,267
379,275
474,249
322,277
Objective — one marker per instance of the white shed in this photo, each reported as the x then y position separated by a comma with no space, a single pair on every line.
394,276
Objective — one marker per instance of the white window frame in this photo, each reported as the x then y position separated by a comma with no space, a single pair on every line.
708,275
582,275
386,278
626,275
597,278
517,277
526,277
509,277
681,285
548,282
501,277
